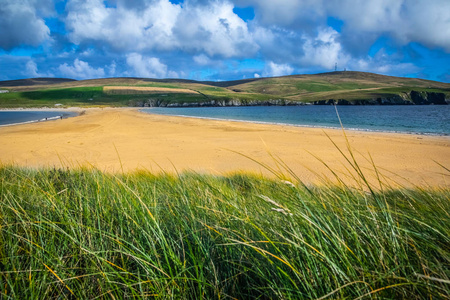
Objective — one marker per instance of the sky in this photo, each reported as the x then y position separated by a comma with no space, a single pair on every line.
223,39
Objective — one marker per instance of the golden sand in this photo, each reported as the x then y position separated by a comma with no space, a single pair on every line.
126,139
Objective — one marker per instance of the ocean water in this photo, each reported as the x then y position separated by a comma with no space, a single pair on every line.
17,117
423,119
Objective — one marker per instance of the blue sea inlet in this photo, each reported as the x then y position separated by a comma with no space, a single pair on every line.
423,119
18,117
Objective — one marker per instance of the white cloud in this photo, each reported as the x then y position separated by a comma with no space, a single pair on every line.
370,16
80,70
323,50
273,69
406,21
202,60
150,67
88,53
383,66
112,69
212,28
431,23
285,12
256,75
31,70
173,74
422,21
22,23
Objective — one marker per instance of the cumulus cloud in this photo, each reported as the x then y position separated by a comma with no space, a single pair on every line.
212,28
112,69
202,60
150,67
22,23
80,70
431,25
122,27
405,21
324,50
382,66
286,13
422,21
273,69
31,70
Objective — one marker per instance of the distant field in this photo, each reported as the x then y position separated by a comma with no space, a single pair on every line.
127,90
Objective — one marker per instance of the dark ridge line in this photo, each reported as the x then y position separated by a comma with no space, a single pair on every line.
35,81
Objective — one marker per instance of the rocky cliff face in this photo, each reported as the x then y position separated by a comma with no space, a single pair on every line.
428,98
216,103
411,98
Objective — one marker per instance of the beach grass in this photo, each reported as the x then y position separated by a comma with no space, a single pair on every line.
81,233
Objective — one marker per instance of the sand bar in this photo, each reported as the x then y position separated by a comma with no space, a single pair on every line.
125,139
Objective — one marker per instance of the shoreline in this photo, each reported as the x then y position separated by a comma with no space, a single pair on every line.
46,109
302,125
140,109
75,110
127,140
33,121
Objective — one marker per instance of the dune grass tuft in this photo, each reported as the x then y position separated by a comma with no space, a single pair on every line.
89,235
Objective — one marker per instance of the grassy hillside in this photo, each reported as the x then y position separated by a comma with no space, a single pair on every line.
84,234
92,93
339,85
303,88
82,96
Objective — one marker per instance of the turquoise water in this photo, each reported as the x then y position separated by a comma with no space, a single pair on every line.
423,119
17,117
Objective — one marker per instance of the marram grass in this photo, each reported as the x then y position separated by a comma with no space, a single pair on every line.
89,235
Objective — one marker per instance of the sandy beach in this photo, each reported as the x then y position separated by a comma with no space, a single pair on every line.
113,140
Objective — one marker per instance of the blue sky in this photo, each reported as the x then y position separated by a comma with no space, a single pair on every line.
223,39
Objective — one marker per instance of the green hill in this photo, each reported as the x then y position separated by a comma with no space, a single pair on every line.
345,87
340,85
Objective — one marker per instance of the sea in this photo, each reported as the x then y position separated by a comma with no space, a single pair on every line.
412,119
20,117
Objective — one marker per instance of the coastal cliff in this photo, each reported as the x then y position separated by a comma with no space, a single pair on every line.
410,98
216,103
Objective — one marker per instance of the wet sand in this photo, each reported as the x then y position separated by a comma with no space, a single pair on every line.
115,140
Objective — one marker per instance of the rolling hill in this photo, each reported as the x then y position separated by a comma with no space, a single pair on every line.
326,88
